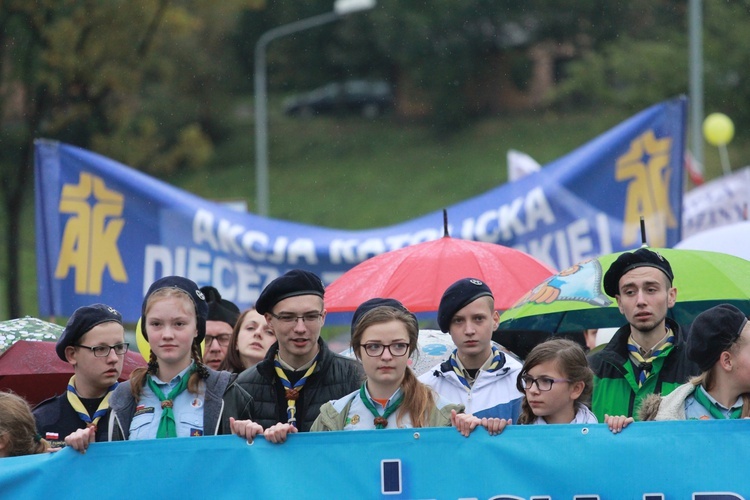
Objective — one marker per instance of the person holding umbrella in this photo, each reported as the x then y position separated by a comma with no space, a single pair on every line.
477,374
648,354
94,343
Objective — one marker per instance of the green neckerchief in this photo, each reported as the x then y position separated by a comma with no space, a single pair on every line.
167,426
381,422
701,397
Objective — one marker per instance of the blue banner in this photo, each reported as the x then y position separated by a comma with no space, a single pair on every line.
105,232
701,460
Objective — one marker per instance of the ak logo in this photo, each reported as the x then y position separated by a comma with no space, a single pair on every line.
89,243
647,170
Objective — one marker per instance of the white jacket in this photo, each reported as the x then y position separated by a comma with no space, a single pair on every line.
493,394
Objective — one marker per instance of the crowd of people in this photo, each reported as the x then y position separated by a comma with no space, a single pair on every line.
267,372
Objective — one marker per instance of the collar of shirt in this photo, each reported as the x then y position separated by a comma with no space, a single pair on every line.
647,353
286,366
172,383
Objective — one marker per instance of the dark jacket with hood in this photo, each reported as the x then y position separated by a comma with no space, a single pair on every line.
334,377
215,417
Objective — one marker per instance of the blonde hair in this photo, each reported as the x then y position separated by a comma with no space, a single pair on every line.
18,427
418,398
138,376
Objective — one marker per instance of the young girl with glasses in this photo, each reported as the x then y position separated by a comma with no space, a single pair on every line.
391,397
557,383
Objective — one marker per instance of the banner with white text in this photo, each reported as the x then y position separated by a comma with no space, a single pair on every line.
105,232
702,460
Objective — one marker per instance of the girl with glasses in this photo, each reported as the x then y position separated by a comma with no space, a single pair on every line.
557,383
391,397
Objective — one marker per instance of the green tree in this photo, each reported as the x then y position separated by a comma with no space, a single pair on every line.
86,72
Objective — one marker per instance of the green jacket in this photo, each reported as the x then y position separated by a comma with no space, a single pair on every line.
330,419
616,390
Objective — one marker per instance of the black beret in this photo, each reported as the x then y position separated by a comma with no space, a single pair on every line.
84,319
220,309
292,284
371,304
714,331
457,296
627,261
187,286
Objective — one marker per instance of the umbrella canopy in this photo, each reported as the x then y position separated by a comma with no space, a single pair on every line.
574,299
418,275
32,370
27,328
733,239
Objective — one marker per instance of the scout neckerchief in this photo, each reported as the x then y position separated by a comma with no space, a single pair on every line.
645,365
381,421
701,397
292,391
167,426
498,359
79,407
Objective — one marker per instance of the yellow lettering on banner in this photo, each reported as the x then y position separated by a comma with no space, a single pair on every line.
648,189
89,243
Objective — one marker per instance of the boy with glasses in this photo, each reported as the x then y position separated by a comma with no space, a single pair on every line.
299,372
222,315
477,374
94,343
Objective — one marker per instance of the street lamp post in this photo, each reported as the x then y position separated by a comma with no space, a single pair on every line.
341,8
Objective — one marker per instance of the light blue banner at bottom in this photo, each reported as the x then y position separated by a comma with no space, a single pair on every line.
648,461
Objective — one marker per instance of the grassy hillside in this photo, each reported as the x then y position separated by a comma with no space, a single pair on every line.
353,173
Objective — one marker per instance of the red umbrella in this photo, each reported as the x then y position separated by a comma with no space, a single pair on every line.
32,370
418,275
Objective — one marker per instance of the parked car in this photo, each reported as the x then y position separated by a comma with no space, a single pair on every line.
364,97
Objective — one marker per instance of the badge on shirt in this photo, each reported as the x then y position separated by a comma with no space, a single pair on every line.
142,410
196,432
197,403
50,436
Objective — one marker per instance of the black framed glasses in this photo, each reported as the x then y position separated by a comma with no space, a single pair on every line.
222,339
102,351
542,383
396,349
308,318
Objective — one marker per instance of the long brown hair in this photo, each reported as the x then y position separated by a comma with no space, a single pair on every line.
572,362
418,398
232,361
138,376
18,428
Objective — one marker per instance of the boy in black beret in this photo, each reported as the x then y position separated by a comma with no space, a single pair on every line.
477,374
94,343
299,372
719,342
222,316
647,355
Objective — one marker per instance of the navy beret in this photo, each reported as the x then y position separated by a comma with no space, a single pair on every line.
187,286
627,261
457,296
714,331
371,304
81,321
292,284
220,309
